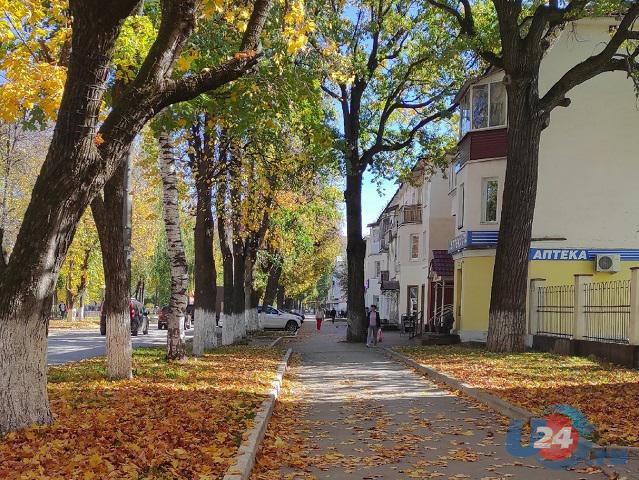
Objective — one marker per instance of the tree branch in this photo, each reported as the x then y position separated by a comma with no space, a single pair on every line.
593,65
209,79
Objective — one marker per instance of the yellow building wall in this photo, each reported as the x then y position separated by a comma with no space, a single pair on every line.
472,303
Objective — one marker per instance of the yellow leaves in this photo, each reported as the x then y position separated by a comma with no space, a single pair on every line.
186,60
297,27
95,460
536,380
33,36
152,427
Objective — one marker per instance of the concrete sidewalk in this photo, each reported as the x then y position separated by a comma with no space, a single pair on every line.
373,418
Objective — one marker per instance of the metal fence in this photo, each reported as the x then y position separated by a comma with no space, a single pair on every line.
555,310
607,311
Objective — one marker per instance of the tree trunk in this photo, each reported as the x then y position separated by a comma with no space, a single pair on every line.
252,321
69,179
355,253
280,296
239,297
273,282
108,214
205,337
507,319
176,347
227,264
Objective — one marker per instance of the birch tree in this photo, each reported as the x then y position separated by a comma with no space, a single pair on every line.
176,346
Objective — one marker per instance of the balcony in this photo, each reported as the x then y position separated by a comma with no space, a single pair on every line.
480,144
410,214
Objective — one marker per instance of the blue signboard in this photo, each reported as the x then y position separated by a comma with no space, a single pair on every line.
557,254
488,239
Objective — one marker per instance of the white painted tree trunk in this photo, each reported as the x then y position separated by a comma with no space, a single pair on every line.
176,347
228,325
240,326
118,345
205,335
23,370
252,321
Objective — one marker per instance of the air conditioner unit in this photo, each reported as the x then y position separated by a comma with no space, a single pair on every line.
607,263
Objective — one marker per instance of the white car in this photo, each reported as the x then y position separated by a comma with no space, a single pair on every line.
273,318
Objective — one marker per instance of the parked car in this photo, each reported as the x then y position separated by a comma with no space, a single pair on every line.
275,319
296,313
139,319
163,318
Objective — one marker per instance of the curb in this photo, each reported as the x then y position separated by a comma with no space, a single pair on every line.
502,407
245,457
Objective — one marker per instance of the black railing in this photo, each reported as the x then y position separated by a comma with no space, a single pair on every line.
555,310
607,311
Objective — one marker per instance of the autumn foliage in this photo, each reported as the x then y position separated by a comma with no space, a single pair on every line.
177,421
606,394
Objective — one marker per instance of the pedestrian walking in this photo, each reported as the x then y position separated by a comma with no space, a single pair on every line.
319,316
333,315
63,310
374,323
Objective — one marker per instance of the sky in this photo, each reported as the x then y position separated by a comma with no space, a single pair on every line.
372,202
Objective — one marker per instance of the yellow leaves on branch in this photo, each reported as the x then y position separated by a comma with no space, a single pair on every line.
34,35
297,27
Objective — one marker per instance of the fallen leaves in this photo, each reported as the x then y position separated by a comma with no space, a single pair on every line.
606,394
173,421
89,323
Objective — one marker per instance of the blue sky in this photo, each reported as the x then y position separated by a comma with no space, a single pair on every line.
372,202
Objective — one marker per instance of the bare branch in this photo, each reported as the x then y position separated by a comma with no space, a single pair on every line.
331,93
593,65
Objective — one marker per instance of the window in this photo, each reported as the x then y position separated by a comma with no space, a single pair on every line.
483,106
497,104
377,269
464,118
480,106
414,247
489,200
460,206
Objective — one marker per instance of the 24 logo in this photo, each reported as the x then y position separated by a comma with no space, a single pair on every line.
560,439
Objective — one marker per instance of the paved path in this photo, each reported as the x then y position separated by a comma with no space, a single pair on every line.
371,418
73,345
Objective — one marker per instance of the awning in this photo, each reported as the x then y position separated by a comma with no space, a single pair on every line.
390,285
441,265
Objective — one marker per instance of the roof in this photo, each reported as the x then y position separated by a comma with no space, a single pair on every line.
442,264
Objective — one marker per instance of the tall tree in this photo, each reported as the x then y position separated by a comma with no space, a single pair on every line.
82,156
112,209
176,345
203,163
526,32
391,70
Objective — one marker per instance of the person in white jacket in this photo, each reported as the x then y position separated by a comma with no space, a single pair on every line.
319,317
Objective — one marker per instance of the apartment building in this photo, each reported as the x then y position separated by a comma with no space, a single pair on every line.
399,248
587,188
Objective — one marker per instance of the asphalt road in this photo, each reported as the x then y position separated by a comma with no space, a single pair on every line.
73,345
